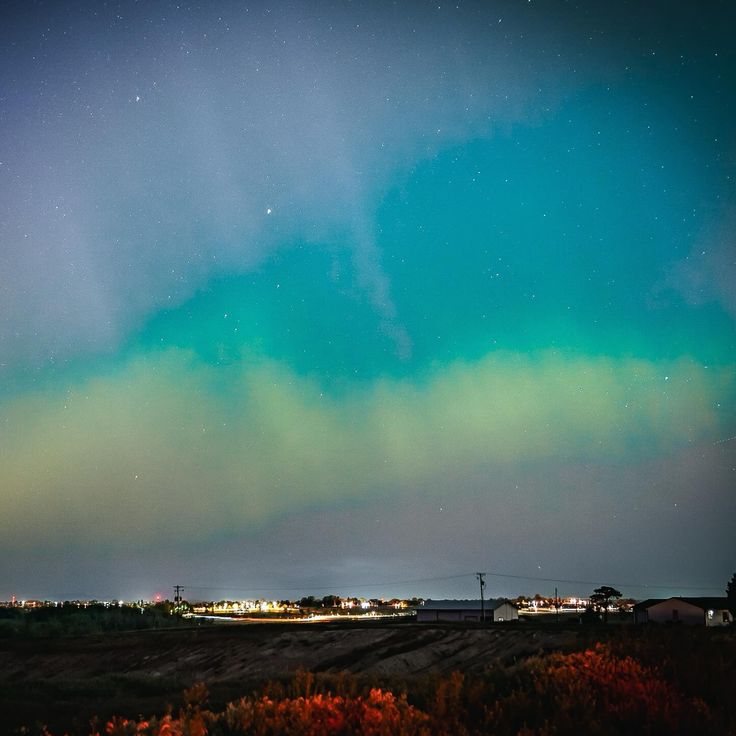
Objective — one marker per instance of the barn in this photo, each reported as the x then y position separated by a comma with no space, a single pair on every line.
495,609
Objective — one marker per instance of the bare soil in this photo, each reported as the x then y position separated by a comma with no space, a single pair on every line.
63,682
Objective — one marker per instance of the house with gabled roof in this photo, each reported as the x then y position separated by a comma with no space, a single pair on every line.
693,611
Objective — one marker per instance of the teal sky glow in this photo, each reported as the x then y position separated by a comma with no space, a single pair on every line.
320,299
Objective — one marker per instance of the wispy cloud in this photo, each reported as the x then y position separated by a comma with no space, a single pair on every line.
142,165
708,273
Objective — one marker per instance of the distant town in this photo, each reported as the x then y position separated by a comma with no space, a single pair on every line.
605,604
311,606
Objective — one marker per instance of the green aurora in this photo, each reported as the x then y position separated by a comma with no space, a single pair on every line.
545,294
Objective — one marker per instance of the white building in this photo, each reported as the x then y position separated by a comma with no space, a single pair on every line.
495,609
690,611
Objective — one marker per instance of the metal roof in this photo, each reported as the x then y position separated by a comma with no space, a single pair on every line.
490,604
703,602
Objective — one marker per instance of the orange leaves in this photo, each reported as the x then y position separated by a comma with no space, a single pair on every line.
379,714
595,691
608,693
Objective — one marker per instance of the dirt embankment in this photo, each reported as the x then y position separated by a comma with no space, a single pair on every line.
67,680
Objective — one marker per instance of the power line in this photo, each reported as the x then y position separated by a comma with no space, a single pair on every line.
597,582
511,576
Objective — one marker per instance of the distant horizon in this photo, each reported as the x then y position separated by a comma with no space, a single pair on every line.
640,592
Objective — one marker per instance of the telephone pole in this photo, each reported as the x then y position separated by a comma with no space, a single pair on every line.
177,596
481,579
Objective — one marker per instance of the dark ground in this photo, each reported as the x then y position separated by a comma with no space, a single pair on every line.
63,682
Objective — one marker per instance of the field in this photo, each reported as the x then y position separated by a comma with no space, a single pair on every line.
502,673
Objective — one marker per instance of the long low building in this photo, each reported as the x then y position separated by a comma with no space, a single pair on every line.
691,611
494,609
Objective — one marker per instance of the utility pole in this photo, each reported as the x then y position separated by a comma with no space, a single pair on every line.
557,607
177,597
481,580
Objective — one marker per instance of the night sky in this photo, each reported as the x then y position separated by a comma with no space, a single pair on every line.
319,297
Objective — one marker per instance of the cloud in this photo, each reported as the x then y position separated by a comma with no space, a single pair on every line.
169,449
708,273
143,165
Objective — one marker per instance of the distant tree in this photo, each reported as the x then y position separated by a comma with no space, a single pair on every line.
602,597
731,594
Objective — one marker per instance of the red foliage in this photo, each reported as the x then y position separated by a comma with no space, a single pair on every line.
379,714
595,692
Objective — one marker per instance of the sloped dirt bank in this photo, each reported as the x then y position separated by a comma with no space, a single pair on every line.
63,682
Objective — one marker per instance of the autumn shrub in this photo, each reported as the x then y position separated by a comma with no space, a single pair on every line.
609,694
701,663
598,692
378,714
